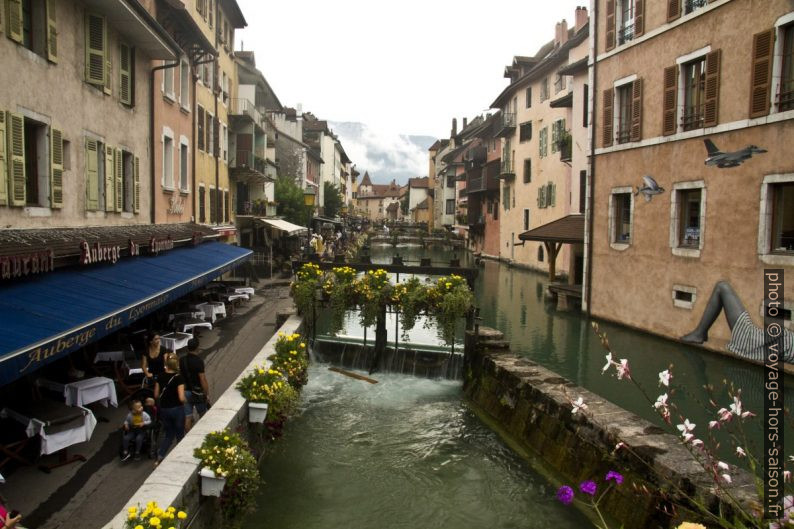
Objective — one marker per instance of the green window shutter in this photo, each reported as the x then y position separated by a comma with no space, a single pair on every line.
14,20
92,174
136,175
125,74
108,75
15,125
95,45
118,173
553,194
52,33
56,168
3,161
110,182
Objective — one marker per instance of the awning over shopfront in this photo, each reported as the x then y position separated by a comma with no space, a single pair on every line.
282,225
51,315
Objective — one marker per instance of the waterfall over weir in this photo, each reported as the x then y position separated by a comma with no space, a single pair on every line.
424,361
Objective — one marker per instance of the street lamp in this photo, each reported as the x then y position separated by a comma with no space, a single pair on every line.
308,200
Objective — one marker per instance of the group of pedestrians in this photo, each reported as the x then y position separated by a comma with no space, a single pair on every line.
179,388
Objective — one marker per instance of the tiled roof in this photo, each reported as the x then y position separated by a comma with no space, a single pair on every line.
418,182
568,229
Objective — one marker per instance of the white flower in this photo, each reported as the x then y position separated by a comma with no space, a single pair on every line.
697,442
714,424
727,478
740,451
579,405
664,377
787,476
723,465
724,415
623,369
686,427
619,446
608,364
736,407
661,401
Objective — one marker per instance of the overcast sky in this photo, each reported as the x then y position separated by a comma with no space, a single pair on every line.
404,67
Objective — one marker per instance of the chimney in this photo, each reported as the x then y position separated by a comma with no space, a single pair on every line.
454,128
557,35
465,122
563,32
581,18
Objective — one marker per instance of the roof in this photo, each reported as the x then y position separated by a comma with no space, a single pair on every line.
418,182
565,101
425,204
574,67
234,13
316,155
51,315
282,225
366,180
568,229
549,59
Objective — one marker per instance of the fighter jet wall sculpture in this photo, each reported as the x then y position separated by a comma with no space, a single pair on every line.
729,159
650,188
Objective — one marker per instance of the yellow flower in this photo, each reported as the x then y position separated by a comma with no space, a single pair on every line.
155,521
158,511
691,525
138,527
132,516
133,509
181,515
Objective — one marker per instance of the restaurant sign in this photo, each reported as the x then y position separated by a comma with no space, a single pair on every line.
24,264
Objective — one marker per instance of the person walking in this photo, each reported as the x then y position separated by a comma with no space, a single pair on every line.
170,389
152,359
197,393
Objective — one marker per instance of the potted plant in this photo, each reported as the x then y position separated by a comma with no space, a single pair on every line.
153,517
227,459
269,386
291,359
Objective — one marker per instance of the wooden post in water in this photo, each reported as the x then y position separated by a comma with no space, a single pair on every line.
380,338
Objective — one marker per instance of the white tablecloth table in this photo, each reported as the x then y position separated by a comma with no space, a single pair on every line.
212,309
231,297
244,290
58,425
188,326
175,340
96,389
109,356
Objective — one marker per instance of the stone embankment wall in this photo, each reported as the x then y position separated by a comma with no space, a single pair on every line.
175,481
531,406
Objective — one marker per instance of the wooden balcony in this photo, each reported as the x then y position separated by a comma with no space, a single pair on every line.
506,125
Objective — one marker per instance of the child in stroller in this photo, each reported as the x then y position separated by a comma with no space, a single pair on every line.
140,426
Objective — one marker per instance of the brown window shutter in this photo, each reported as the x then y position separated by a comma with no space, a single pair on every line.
607,114
761,76
673,9
669,100
639,18
610,24
711,113
636,110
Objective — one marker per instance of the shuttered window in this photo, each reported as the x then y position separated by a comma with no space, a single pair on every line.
543,141
607,130
136,185
673,9
213,206
226,207
15,129
126,69
202,204
56,168
636,110
785,96
92,156
13,16
110,179
3,161
200,128
118,179
610,31
712,91
52,33
95,48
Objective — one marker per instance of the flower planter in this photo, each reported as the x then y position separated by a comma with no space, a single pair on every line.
211,485
257,412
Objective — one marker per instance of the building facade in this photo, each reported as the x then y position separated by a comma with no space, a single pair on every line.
668,82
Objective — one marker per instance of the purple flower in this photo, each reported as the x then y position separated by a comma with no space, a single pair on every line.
565,494
614,475
588,487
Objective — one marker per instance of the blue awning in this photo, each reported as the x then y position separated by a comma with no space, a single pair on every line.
44,318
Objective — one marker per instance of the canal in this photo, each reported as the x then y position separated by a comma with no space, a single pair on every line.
408,453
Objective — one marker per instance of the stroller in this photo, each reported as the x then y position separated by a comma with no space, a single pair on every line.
152,431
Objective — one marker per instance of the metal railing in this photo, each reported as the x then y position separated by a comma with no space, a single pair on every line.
243,107
248,160
785,96
507,166
691,5
626,33
693,117
257,208
506,124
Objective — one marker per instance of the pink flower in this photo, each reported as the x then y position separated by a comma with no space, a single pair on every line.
661,401
623,369
787,476
578,406
714,424
664,377
686,427
697,443
724,415
609,363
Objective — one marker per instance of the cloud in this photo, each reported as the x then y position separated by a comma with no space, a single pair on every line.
384,155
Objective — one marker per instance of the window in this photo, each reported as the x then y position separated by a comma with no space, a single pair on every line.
782,217
168,82
624,97
540,253
694,84
127,181
226,206
37,166
543,140
525,131
527,170
785,98
526,219
529,97
126,75
168,162
506,197
621,217
559,83
684,296
202,204
626,24
557,134
450,206
688,214
693,5
183,165
209,128
34,161
213,206
200,128
225,88
585,106
32,24
544,89
224,142
495,209
547,195
96,63
184,84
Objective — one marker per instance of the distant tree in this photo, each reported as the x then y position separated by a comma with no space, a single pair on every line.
289,197
333,200
404,204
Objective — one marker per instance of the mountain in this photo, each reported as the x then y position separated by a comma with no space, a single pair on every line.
384,155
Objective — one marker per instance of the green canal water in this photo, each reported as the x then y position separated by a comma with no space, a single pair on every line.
408,453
